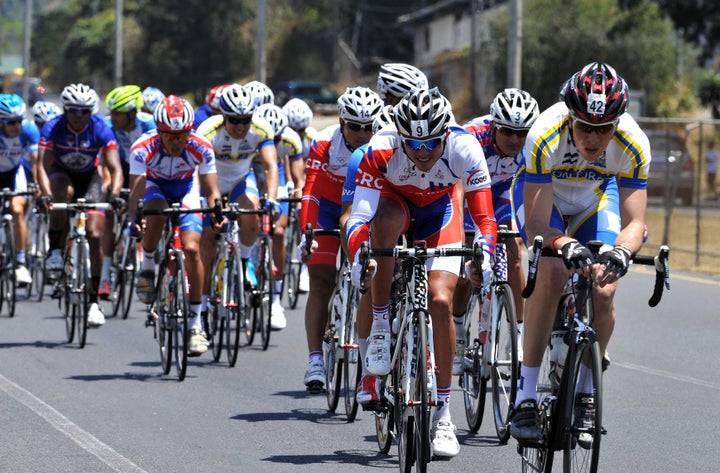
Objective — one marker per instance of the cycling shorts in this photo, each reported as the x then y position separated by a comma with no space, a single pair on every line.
328,218
88,186
185,192
15,180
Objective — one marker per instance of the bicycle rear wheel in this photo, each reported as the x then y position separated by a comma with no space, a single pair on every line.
472,382
179,313
291,276
37,254
215,311
504,373
581,444
266,284
122,276
8,294
81,290
236,309
333,369
385,416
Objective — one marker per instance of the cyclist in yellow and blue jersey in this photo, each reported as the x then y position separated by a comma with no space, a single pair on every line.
585,178
238,137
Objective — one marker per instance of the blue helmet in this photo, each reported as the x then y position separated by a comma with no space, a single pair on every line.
12,107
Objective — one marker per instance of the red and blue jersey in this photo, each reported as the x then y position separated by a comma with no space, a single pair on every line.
77,152
149,158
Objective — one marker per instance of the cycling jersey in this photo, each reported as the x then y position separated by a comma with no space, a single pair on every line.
16,151
203,113
233,157
348,192
307,140
582,188
143,123
289,146
386,167
77,152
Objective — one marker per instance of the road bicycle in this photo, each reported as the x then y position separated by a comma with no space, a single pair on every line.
293,264
559,398
340,341
410,389
126,258
168,314
229,309
262,293
8,263
74,286
493,355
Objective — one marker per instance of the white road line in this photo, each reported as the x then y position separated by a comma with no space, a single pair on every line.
84,439
667,374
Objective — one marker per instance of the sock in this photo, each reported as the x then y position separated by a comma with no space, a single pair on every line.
380,317
245,251
20,257
315,356
95,283
195,321
459,320
444,411
148,261
203,303
362,350
278,291
527,384
105,272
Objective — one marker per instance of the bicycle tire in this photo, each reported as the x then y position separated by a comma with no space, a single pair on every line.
333,371
237,308
117,285
180,308
404,418
8,292
68,308
582,456
472,382
215,326
37,257
266,284
422,405
351,358
122,276
163,322
82,290
505,367
291,276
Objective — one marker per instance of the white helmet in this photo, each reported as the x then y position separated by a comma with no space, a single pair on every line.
423,114
236,100
79,95
43,111
152,96
514,108
261,92
359,105
383,119
398,79
299,114
274,115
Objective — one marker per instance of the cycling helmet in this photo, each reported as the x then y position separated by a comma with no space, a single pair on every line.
597,94
174,114
124,99
514,108
273,115
12,107
423,114
359,105
261,92
383,119
236,100
299,114
79,95
152,97
43,111
213,96
398,79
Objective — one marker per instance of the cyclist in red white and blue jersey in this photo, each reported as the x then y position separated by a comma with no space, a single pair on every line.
18,145
169,165
73,146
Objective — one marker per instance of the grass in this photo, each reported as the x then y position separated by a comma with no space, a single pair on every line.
685,253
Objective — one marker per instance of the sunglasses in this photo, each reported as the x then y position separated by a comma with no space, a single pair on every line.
417,145
352,126
507,131
244,120
172,135
587,128
78,110
15,121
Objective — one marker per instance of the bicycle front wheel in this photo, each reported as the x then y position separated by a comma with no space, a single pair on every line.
291,276
351,351
81,290
504,372
404,415
582,411
37,258
266,286
422,406
215,327
164,325
472,381
236,309
7,277
179,314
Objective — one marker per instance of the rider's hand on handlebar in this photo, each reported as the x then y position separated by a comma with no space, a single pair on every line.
356,275
577,257
613,265
302,250
475,276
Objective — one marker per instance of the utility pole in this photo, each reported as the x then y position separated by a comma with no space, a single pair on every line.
27,31
474,51
514,58
260,73
118,73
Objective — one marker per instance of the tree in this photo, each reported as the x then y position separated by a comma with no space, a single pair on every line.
709,92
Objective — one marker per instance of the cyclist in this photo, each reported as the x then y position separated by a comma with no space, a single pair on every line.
211,105
237,137
152,96
18,142
326,170
411,172
502,135
73,146
300,115
165,167
290,165
127,123
397,79
42,112
585,178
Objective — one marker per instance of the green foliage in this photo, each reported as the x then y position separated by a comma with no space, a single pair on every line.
709,92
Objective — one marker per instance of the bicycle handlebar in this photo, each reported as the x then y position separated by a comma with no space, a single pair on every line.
660,261
81,206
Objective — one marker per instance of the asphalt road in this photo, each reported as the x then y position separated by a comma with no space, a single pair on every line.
108,408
